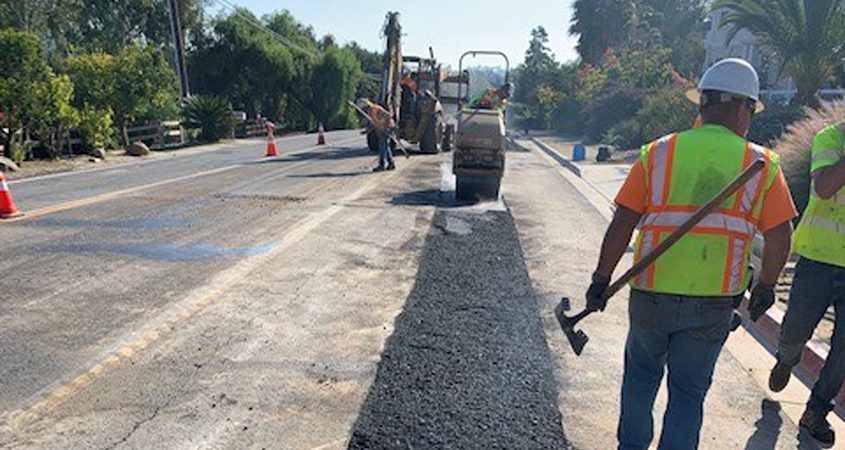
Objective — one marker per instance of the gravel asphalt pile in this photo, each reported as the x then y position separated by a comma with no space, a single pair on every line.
467,365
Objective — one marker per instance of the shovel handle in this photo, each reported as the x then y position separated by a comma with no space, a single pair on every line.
682,230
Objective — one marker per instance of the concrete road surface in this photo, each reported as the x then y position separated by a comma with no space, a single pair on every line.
302,302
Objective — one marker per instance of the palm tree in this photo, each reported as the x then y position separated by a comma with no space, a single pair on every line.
599,25
807,35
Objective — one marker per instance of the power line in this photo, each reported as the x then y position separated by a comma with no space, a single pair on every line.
250,20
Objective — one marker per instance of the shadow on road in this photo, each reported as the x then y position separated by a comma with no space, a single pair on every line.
333,154
330,175
765,437
429,197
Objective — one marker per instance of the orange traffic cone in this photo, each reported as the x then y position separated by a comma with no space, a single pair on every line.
8,209
271,148
321,138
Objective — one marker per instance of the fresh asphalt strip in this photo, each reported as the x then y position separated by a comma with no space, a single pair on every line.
467,365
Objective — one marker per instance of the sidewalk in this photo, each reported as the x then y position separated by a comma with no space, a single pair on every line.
605,179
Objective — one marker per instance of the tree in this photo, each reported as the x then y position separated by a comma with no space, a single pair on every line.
807,35
23,68
599,25
334,83
68,26
248,66
53,114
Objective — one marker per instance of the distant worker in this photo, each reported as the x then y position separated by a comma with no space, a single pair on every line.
408,81
382,122
681,307
493,98
819,282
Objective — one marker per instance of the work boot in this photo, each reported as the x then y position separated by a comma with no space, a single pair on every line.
391,167
378,169
818,427
779,377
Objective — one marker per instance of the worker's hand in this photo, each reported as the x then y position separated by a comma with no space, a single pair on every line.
762,298
595,294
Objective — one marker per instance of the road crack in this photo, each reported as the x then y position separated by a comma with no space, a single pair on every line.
135,428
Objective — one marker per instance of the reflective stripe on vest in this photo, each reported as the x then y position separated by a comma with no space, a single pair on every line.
734,225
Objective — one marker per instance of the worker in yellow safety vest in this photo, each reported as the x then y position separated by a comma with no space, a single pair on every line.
819,282
681,307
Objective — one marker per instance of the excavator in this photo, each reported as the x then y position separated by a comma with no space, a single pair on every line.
410,91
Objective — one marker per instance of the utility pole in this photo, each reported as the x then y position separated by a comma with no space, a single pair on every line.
178,49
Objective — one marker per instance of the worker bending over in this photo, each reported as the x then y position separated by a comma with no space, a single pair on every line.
680,308
382,121
819,282
493,98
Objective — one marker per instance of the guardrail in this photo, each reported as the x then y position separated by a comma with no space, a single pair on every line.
159,135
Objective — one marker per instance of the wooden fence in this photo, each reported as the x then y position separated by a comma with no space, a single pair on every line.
160,134
250,128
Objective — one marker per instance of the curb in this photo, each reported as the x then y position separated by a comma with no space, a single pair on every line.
767,328
574,168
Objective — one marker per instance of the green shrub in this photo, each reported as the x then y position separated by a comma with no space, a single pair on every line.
212,115
666,111
96,128
795,144
769,125
626,135
614,105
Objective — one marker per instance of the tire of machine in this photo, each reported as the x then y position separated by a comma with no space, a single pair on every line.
475,189
428,141
372,141
448,138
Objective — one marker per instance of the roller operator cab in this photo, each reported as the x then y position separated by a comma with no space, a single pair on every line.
480,142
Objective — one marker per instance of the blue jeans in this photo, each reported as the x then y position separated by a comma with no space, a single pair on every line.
385,154
816,287
685,335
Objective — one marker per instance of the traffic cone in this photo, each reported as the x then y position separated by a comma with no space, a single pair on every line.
271,148
8,209
321,138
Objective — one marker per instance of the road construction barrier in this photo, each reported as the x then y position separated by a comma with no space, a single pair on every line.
8,209
159,135
271,140
321,138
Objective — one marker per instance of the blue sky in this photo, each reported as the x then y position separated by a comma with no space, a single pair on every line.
451,27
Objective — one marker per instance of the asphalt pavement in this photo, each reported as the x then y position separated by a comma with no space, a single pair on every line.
467,365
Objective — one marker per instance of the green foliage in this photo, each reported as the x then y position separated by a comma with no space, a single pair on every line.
53,114
334,83
614,105
96,128
212,115
255,72
664,112
137,84
807,35
25,73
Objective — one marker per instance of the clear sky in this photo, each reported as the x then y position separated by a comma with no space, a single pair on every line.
450,26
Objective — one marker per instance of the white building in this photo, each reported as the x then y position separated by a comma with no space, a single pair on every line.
744,45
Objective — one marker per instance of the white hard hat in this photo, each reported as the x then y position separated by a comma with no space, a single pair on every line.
732,76
364,103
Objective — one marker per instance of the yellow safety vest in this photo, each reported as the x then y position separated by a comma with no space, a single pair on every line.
684,171
821,234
